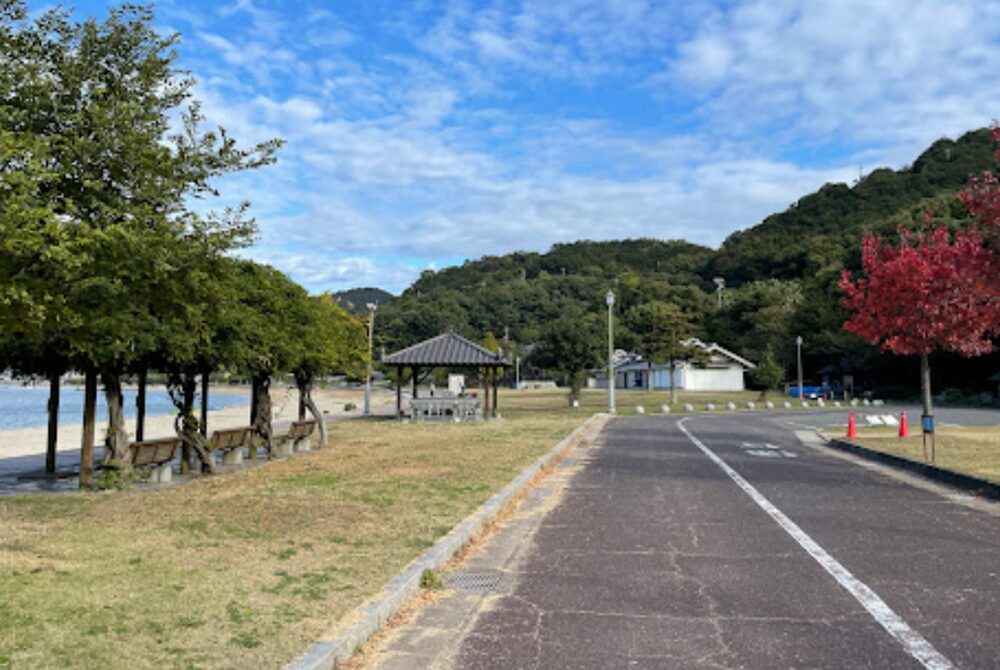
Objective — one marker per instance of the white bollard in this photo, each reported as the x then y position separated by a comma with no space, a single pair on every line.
639,409
665,409
730,406
709,407
805,404
836,403
769,405
854,402
688,408
788,405
820,402
750,405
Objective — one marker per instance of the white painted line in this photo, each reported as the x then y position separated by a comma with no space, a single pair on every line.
914,643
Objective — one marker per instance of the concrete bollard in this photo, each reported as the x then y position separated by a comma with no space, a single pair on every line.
805,404
688,408
305,444
731,406
836,403
639,409
854,402
665,409
820,402
709,407
769,405
232,457
788,405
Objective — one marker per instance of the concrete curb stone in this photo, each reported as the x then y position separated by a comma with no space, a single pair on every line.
326,654
968,483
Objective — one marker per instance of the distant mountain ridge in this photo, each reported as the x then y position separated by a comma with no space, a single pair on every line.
354,301
779,276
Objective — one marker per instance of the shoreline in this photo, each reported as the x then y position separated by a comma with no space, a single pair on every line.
284,402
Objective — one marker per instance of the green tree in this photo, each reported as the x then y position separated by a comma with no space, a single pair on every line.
664,331
571,345
328,341
767,375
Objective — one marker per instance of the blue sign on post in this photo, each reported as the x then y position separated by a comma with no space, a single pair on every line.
928,421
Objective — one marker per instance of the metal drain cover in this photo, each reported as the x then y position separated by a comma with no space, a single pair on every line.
474,582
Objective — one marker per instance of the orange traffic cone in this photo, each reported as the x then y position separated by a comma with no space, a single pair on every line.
852,427
904,428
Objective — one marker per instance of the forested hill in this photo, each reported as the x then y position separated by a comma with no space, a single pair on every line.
780,275
812,233
355,300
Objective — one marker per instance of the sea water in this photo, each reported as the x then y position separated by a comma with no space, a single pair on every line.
27,406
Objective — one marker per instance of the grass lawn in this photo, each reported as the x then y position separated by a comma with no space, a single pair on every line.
246,570
974,450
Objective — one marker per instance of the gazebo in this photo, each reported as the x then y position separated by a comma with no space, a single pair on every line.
449,350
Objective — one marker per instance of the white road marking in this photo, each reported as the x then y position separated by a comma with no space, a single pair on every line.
914,643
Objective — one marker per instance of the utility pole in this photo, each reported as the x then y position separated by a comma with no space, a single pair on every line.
368,376
798,344
720,285
610,299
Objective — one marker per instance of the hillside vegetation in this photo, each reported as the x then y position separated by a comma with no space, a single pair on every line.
780,275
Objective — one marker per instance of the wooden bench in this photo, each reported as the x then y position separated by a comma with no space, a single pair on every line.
158,455
231,441
297,438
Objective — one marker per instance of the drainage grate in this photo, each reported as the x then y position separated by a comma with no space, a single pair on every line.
474,582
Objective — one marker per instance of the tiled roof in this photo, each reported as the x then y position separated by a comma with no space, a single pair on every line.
449,349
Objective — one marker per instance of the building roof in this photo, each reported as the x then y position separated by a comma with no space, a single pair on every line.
447,350
634,362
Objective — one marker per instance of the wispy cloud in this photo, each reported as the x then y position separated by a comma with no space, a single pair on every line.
418,133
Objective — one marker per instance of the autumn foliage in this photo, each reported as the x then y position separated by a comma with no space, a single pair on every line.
982,198
933,291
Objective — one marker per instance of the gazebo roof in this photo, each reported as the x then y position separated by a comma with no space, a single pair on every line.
447,350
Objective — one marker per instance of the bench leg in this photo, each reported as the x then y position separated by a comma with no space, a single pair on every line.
232,457
162,474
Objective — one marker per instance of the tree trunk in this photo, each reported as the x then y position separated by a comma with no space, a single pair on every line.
306,402
116,444
140,406
649,376
87,440
673,382
925,393
205,377
261,424
52,439
182,388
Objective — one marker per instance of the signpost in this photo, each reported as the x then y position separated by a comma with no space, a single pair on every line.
610,299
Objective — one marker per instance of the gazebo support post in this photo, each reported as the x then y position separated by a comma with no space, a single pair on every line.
399,392
496,391
416,380
485,383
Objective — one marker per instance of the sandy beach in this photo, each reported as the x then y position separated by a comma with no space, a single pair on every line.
28,441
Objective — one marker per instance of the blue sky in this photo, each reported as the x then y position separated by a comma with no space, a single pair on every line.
420,134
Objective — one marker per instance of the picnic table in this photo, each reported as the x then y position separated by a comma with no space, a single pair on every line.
446,408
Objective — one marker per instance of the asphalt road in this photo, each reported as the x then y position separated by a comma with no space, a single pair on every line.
723,541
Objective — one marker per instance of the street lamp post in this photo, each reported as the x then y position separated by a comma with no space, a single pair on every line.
798,345
368,375
610,299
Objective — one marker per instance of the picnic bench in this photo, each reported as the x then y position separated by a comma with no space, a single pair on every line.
446,408
297,438
231,442
158,455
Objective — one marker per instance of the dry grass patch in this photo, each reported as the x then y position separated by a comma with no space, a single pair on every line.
537,401
973,450
244,570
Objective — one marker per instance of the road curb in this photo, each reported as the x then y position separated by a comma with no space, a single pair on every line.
326,654
967,483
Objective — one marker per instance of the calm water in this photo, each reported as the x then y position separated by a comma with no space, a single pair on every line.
26,406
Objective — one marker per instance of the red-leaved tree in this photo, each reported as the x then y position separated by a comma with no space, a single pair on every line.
933,292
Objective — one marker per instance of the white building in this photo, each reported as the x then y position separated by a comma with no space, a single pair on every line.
722,370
